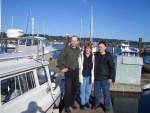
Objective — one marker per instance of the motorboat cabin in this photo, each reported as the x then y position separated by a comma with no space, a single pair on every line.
126,50
36,46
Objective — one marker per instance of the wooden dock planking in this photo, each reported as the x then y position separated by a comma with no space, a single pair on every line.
145,79
118,87
89,110
145,76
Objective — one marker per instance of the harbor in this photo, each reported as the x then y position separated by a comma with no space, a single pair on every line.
33,35
123,90
133,95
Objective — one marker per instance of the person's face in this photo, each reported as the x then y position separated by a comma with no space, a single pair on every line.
88,50
74,41
102,48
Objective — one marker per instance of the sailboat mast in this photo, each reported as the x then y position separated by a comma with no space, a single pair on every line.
32,19
0,16
12,20
43,29
38,30
91,26
80,30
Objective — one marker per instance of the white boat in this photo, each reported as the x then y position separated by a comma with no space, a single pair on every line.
36,46
26,85
126,50
14,33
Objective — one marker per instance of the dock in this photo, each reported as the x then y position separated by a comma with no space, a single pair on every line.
145,79
53,68
90,110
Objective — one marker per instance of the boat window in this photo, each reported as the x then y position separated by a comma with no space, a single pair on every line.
15,86
23,83
29,42
35,42
22,41
41,75
47,44
9,89
30,80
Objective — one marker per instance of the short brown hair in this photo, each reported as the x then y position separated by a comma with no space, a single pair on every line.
88,45
75,36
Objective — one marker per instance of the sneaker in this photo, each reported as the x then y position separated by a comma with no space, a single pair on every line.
67,110
95,107
87,105
82,107
74,107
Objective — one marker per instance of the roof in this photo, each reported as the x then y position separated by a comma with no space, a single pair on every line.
15,63
7,56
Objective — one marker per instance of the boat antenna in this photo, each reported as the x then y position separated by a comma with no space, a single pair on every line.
28,21
80,31
0,17
43,29
91,26
12,22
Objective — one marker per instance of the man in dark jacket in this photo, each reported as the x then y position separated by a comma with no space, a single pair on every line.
68,64
103,73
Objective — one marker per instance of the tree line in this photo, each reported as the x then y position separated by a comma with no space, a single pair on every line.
110,42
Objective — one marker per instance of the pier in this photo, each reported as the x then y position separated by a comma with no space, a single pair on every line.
89,110
145,79
57,72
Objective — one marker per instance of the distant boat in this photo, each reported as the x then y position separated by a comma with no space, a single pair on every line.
126,50
33,45
146,59
27,85
14,33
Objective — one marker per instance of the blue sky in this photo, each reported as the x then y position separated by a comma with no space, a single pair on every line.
113,19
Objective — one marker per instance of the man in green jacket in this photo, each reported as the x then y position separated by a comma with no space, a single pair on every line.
68,64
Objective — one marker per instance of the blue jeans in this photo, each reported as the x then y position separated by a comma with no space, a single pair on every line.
97,90
85,90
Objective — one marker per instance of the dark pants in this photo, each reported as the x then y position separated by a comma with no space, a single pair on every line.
71,87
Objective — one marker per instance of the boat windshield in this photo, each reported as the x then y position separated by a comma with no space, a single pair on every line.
47,44
22,41
126,43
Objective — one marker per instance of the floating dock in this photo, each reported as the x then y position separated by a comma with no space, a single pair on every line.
89,110
53,68
115,87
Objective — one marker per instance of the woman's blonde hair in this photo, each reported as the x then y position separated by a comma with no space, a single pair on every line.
88,45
